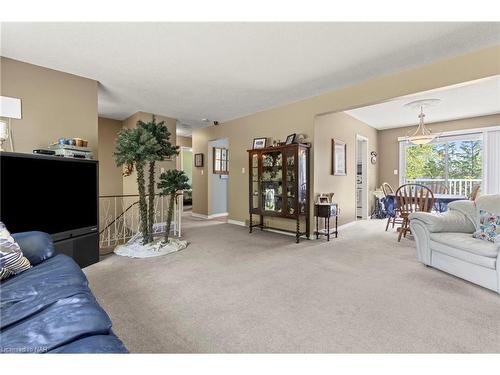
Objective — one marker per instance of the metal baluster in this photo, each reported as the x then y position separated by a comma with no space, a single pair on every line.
181,209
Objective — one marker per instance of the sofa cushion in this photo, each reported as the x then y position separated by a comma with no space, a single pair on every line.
36,246
25,294
59,323
490,203
465,242
93,344
451,221
467,209
12,260
489,227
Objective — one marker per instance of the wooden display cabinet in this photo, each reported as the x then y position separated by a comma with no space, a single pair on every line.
279,186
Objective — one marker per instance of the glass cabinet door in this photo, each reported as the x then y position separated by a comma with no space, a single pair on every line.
272,181
302,183
255,181
291,182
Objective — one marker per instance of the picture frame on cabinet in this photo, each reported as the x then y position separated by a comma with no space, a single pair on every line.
259,143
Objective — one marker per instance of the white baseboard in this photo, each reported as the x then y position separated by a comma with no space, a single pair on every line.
213,216
208,217
199,216
236,222
243,224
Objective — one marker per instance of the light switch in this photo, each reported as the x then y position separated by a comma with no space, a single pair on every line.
395,171
243,170
202,171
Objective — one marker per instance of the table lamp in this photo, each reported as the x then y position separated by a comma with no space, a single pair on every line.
10,108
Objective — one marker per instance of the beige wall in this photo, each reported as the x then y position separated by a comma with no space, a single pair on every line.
344,127
389,145
54,105
299,117
184,141
130,182
110,176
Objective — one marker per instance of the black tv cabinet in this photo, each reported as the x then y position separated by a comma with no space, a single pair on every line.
83,249
56,195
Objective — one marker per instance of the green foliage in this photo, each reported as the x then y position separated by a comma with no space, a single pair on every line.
160,133
135,146
170,183
466,162
426,161
162,136
429,161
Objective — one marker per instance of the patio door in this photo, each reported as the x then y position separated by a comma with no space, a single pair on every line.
451,163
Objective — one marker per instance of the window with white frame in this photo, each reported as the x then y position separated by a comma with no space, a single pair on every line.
453,163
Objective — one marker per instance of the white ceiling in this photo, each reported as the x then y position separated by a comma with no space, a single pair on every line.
223,71
473,99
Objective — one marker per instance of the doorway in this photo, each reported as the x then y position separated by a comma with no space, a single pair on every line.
186,165
361,177
218,149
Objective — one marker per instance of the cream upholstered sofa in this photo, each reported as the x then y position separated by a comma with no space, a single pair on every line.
445,242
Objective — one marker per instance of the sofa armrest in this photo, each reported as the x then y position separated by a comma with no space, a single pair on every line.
451,221
36,246
422,239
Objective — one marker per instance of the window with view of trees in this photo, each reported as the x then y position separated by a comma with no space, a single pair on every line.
456,163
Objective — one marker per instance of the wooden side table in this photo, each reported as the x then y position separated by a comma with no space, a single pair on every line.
326,211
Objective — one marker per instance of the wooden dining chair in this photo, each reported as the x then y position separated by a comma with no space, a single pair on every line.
438,187
474,192
387,188
412,198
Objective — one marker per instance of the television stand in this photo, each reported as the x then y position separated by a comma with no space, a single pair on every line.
83,249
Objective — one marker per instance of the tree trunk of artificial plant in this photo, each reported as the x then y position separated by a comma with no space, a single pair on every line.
143,208
151,203
169,215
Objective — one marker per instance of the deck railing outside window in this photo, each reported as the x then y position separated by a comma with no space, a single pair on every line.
459,186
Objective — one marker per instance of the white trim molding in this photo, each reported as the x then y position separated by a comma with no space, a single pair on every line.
208,217
236,222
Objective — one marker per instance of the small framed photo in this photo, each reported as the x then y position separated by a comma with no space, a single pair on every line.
290,139
339,163
323,199
259,143
198,160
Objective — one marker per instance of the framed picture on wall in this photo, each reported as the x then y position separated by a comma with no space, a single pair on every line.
339,162
198,160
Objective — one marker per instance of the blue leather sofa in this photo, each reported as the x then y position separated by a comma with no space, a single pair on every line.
50,308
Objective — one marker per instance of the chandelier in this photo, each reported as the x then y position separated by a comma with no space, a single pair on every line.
422,134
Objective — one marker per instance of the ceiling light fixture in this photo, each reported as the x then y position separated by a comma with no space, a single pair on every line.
422,135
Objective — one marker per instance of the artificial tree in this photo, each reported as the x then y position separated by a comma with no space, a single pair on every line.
170,183
134,149
162,136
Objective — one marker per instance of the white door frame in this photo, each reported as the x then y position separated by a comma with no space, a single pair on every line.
364,199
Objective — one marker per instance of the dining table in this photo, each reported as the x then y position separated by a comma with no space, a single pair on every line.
441,201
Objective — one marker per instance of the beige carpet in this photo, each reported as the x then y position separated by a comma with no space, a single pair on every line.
230,291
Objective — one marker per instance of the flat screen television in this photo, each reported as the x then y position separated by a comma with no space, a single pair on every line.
48,193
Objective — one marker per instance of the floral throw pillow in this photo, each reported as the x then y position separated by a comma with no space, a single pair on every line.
12,260
489,227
